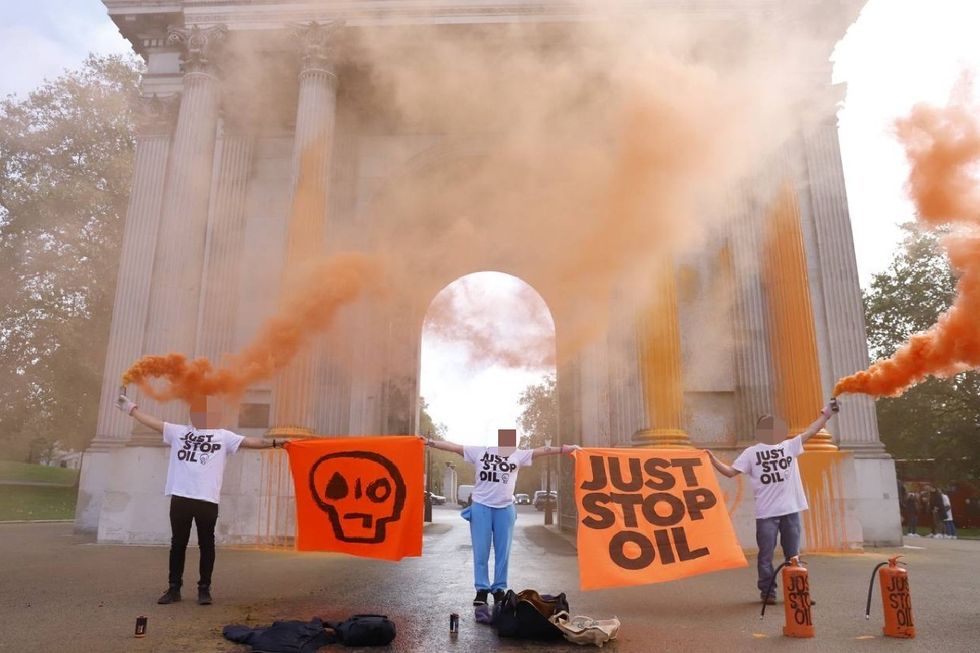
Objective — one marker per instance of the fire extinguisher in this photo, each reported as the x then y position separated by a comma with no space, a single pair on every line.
796,598
896,601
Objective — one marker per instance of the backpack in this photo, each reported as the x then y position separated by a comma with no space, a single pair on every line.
365,630
526,615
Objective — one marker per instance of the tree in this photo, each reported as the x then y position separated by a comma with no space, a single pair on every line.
65,164
539,417
538,422
938,419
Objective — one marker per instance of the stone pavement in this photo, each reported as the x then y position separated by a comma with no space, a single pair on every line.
60,591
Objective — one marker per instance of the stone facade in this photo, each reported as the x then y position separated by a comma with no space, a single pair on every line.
206,240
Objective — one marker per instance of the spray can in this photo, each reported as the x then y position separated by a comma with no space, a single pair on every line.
453,623
140,626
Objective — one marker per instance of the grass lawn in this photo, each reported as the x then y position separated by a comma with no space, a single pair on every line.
34,502
15,471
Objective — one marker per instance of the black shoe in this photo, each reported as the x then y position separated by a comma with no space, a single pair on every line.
203,595
481,597
498,596
172,595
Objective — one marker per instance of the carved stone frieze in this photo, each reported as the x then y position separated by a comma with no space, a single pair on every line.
200,47
317,43
155,115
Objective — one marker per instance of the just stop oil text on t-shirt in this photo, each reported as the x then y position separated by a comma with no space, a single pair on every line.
496,474
197,460
775,476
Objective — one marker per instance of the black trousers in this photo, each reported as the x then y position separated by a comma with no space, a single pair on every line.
205,515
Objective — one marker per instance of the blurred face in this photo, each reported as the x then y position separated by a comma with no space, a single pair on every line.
771,430
207,413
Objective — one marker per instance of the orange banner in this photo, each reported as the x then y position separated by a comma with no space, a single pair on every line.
649,516
362,496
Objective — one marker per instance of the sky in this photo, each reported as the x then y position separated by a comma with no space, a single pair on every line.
898,53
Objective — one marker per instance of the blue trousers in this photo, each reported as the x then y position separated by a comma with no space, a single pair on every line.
787,528
491,525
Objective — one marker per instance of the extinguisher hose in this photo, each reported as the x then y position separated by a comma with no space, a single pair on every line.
871,588
772,583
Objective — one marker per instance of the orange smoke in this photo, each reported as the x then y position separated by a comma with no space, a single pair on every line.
307,309
943,147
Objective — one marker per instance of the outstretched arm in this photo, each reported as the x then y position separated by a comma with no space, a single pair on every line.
443,445
261,443
553,451
722,468
825,414
126,405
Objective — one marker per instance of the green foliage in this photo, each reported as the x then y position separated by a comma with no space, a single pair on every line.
65,162
25,502
938,419
22,472
539,417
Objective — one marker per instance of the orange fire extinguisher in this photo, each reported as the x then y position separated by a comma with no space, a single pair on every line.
796,598
896,601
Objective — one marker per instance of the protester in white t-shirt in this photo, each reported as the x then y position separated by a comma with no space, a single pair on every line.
948,522
779,498
492,513
198,453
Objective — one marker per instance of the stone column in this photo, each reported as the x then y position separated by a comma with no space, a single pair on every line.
753,373
226,236
178,265
661,369
155,122
791,330
293,411
857,424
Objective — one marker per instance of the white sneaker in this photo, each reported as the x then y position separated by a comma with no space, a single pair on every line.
931,535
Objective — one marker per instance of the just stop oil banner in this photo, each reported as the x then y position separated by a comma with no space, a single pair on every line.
362,496
649,516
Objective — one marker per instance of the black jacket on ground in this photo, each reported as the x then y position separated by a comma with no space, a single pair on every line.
282,636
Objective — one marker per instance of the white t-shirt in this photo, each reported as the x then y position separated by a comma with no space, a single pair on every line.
775,476
496,475
949,508
197,460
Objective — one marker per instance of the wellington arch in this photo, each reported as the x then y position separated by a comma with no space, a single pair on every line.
233,97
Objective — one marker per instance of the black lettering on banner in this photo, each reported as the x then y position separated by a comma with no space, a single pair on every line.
617,553
600,517
649,519
660,478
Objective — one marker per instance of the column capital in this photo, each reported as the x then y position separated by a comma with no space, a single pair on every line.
199,47
317,43
155,115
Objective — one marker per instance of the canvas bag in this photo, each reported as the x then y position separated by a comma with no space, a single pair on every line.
586,630
526,615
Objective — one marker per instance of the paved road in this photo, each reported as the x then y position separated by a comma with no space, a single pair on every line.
59,591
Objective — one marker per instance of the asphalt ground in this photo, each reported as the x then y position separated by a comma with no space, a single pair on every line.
62,592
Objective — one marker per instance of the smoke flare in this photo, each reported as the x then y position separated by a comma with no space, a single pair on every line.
309,308
943,147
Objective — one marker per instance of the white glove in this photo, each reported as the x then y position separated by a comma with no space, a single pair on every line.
126,405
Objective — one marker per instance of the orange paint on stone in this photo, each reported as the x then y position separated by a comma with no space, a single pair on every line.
791,332
825,523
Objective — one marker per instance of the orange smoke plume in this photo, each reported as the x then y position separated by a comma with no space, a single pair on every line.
943,147
308,309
